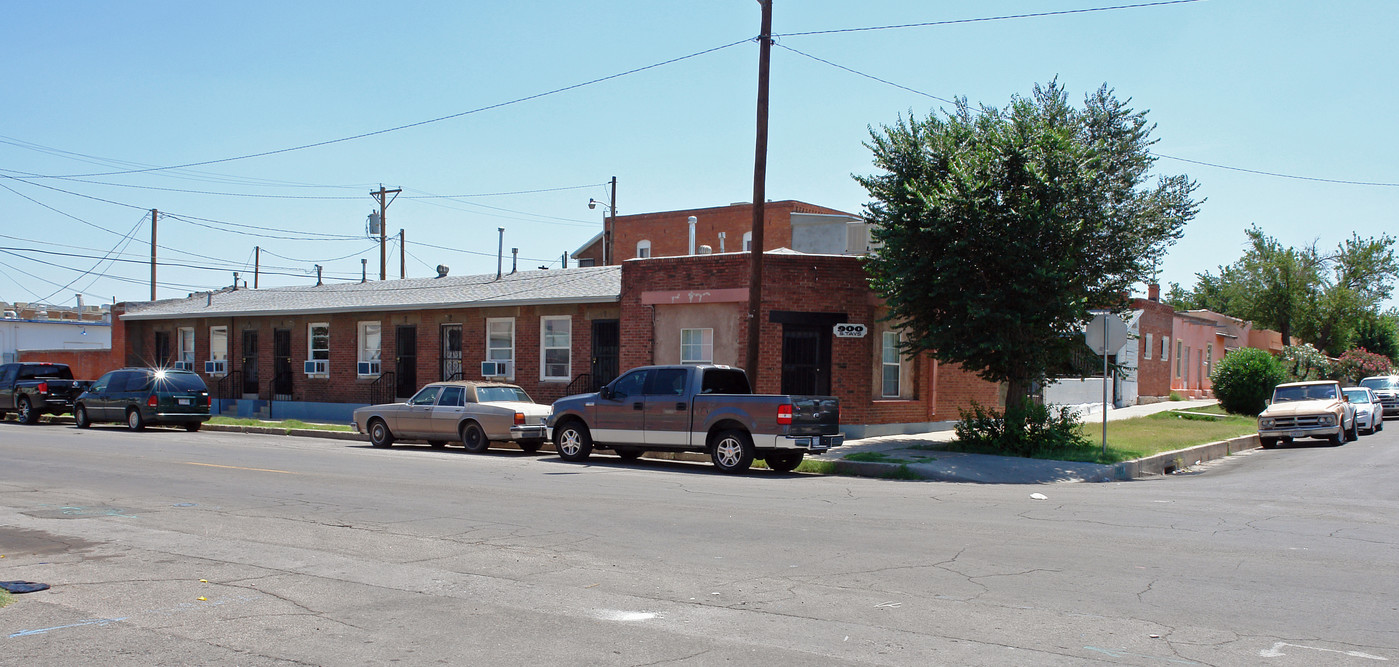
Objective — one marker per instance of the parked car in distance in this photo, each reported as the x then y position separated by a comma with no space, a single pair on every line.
1316,409
144,397
472,412
1386,387
1369,412
700,408
30,389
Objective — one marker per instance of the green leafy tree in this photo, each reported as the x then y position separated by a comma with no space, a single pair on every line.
1244,379
1379,334
1274,284
1361,275
1305,362
1000,228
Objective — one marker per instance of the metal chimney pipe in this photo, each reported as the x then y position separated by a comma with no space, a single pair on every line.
514,260
692,221
499,252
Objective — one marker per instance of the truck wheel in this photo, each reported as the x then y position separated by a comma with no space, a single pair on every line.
1340,438
473,438
732,452
573,441
1354,433
785,461
26,413
1268,443
628,453
134,420
379,433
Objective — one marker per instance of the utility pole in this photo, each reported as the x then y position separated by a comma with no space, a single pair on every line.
257,263
402,252
381,195
155,215
760,153
609,225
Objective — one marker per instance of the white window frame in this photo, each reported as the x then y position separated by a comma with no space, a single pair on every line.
643,249
747,241
366,353
314,353
885,364
545,347
186,352
701,352
492,354
1146,351
218,352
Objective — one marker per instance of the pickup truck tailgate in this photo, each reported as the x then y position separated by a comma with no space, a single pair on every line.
815,415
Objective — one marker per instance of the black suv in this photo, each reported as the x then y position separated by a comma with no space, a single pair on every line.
144,396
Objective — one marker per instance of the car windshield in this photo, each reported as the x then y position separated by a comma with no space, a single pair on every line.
1380,383
1357,395
1304,393
499,394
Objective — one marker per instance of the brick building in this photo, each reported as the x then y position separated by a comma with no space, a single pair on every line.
1153,331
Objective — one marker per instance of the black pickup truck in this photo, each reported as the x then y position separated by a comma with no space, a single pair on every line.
30,389
701,408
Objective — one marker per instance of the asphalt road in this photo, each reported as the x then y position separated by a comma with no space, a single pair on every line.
167,547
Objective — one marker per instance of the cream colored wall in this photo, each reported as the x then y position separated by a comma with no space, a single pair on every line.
723,318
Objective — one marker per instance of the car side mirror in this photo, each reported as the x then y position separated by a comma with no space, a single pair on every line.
605,393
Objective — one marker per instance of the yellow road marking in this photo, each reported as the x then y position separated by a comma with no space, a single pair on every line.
215,465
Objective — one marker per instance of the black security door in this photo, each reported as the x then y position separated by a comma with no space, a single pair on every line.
806,360
606,351
405,363
250,363
281,365
162,349
451,352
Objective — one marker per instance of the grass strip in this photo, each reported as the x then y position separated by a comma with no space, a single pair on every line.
286,424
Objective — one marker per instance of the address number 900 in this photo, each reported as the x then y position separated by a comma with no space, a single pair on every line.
851,330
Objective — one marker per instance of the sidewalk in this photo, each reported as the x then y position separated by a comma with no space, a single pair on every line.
913,451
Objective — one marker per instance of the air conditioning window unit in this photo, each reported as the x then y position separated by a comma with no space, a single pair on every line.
184,365
317,366
368,368
216,367
495,369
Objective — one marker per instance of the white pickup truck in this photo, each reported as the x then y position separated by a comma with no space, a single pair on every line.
1317,409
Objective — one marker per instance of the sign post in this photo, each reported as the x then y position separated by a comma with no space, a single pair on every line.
1106,333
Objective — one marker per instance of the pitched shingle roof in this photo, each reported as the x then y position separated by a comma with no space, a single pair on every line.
598,284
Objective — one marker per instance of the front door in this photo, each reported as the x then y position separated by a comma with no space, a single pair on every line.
451,352
281,365
250,389
606,351
806,359
405,365
162,349
619,420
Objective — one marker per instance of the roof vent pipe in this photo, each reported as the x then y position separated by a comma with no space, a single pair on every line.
442,270
514,260
235,281
692,222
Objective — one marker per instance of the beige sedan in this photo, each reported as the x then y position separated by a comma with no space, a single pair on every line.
473,413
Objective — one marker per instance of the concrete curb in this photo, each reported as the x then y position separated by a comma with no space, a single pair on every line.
1166,463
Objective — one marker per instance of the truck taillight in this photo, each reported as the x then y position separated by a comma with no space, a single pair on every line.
43,387
784,414
151,402
209,400
519,418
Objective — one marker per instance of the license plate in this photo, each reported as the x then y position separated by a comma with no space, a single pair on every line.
183,401
1296,434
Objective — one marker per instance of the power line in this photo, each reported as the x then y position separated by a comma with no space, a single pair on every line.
418,123
124,240
16,252
1160,155
985,19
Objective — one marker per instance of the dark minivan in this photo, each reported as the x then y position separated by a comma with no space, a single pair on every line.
144,397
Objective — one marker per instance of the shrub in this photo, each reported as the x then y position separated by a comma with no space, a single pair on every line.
1304,362
1359,363
1244,379
1030,429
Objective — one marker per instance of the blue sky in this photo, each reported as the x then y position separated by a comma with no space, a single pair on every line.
1289,87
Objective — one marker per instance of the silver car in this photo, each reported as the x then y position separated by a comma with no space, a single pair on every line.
472,413
1369,412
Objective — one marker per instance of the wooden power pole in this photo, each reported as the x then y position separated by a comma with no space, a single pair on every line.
155,215
381,195
760,154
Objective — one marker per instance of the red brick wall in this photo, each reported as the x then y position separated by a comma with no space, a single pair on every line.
669,232
85,364
818,284
344,384
1153,374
